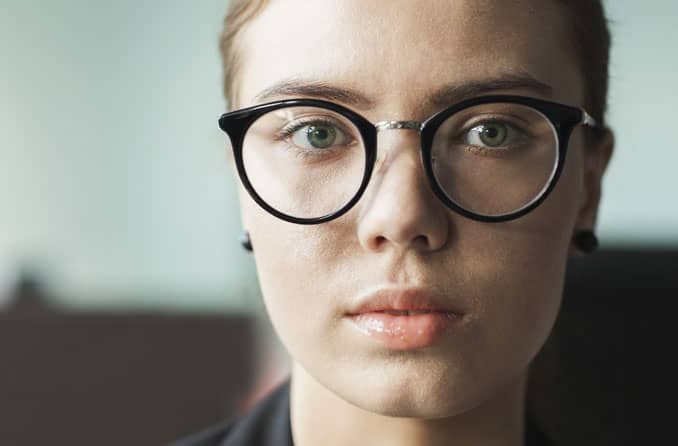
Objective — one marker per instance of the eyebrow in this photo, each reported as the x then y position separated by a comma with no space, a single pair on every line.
444,96
514,81
318,89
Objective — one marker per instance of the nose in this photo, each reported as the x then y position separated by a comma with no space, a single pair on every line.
399,209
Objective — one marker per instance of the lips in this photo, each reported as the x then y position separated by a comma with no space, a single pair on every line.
404,319
394,300
405,312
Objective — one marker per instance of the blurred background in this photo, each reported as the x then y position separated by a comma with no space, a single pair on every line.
119,256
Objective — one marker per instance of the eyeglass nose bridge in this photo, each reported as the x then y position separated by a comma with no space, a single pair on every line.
399,125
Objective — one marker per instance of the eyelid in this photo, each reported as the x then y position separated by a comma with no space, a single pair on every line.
287,134
496,117
508,125
516,134
299,123
521,130
306,120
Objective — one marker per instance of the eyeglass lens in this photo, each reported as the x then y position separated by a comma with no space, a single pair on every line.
490,159
494,159
306,162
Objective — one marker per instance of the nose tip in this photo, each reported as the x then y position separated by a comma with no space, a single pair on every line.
403,235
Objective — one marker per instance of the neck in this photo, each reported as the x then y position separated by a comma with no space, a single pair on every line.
318,416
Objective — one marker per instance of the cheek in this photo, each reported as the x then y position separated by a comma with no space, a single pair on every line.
296,267
517,270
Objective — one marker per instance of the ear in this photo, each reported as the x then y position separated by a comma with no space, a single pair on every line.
595,159
242,197
233,170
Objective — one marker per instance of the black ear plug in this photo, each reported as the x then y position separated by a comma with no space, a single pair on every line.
245,241
586,241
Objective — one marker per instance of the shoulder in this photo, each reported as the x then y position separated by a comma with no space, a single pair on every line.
267,424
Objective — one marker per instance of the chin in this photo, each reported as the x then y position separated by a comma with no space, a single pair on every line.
415,400
412,389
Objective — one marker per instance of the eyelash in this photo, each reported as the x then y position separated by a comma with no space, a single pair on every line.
289,129
495,120
286,133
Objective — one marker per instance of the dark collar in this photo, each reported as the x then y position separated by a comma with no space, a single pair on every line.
268,424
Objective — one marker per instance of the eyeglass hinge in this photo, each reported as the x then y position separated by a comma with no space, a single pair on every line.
588,120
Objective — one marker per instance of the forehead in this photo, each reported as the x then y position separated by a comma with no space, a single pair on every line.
400,51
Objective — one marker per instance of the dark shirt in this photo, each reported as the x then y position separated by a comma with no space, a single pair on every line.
268,424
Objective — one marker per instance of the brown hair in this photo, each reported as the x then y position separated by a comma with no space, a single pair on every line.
591,39
240,12
589,27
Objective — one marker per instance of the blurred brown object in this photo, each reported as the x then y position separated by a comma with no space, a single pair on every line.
28,293
118,379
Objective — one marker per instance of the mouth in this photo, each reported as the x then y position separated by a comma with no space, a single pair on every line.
404,319
406,312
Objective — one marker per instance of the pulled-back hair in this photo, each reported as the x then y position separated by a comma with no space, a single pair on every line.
590,38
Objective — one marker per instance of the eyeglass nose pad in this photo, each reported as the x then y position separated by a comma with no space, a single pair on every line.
417,126
399,125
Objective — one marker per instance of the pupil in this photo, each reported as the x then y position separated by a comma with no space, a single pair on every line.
322,134
321,137
493,135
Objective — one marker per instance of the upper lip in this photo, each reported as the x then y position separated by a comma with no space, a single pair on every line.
402,299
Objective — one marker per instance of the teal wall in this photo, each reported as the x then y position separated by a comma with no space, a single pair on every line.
641,191
113,180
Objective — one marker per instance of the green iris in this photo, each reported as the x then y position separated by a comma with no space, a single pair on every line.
493,134
321,136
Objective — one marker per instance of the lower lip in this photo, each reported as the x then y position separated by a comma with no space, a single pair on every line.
406,332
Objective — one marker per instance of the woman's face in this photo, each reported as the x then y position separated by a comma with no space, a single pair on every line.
505,277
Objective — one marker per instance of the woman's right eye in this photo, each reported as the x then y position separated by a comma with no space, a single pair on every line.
318,136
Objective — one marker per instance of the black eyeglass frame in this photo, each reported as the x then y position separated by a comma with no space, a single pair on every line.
564,119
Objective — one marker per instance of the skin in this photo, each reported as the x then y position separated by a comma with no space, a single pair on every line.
507,277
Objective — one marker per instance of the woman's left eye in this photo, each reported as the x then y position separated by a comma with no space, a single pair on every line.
318,136
491,134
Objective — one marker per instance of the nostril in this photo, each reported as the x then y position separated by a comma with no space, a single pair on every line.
421,240
379,240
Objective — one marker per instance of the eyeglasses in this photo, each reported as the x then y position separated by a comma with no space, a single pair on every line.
490,158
